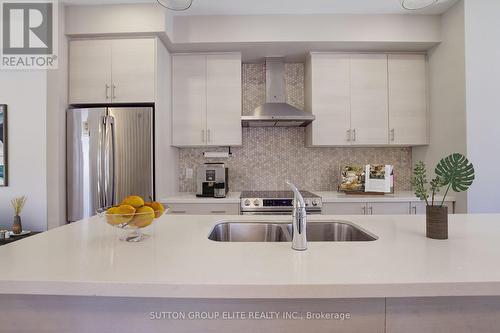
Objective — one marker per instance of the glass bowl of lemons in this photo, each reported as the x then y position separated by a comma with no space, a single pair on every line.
132,213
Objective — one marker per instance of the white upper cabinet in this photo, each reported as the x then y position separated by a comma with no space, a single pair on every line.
133,70
224,100
112,71
189,102
369,105
407,99
90,71
328,82
366,99
207,100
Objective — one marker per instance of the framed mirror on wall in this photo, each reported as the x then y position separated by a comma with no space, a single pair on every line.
3,146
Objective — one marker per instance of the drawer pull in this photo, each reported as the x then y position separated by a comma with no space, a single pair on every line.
218,212
179,212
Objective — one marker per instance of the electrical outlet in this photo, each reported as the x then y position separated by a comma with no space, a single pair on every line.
189,173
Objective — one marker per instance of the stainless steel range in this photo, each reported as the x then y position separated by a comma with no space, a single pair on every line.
276,202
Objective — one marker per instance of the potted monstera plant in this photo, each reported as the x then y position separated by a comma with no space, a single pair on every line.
453,172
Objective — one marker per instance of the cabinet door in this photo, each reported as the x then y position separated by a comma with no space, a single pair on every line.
189,102
344,208
133,70
418,207
407,99
330,99
204,209
388,208
369,103
89,71
224,100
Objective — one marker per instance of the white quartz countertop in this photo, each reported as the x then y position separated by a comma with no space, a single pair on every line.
87,258
327,196
191,198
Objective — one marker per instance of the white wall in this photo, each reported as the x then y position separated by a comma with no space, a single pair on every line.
482,31
57,102
25,92
308,28
37,101
447,96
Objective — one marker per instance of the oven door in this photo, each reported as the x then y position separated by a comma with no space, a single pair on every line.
266,213
280,212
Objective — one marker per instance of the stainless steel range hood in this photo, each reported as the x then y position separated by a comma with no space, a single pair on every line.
276,112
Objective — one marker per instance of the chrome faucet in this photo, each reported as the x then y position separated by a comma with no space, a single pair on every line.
299,223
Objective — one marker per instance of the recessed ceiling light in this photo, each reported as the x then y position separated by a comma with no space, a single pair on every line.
417,4
177,5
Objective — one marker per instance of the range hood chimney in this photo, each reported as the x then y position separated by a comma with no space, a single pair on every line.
276,112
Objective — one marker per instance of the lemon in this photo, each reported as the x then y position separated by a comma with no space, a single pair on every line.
134,201
144,216
157,207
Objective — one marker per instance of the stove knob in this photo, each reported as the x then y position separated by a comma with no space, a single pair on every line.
246,202
315,202
307,202
256,202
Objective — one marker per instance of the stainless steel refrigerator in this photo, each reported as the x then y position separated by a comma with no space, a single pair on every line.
109,156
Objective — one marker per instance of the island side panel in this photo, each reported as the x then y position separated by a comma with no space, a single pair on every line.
443,314
62,314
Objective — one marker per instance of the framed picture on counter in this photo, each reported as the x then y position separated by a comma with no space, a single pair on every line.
367,179
3,147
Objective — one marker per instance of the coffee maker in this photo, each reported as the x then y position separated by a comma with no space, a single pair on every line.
212,180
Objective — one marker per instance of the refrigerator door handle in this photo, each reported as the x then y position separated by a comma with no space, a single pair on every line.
100,163
109,161
113,158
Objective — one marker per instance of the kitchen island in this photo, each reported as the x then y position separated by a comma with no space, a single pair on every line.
400,278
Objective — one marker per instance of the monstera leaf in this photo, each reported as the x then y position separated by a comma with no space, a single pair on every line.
455,171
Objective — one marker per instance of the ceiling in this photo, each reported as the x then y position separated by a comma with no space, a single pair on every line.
266,7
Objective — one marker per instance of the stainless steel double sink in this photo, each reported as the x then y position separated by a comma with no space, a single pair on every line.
324,231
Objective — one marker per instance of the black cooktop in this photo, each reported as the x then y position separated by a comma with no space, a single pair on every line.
275,194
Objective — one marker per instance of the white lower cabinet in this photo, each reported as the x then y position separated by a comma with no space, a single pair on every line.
388,208
419,207
366,208
344,208
329,208
379,208
205,209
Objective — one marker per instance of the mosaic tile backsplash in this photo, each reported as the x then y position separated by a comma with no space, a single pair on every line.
270,156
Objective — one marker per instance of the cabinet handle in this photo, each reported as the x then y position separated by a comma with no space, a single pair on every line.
364,210
414,210
178,212
371,210
218,212
392,135
348,135
354,134
113,92
203,135
107,91
209,136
